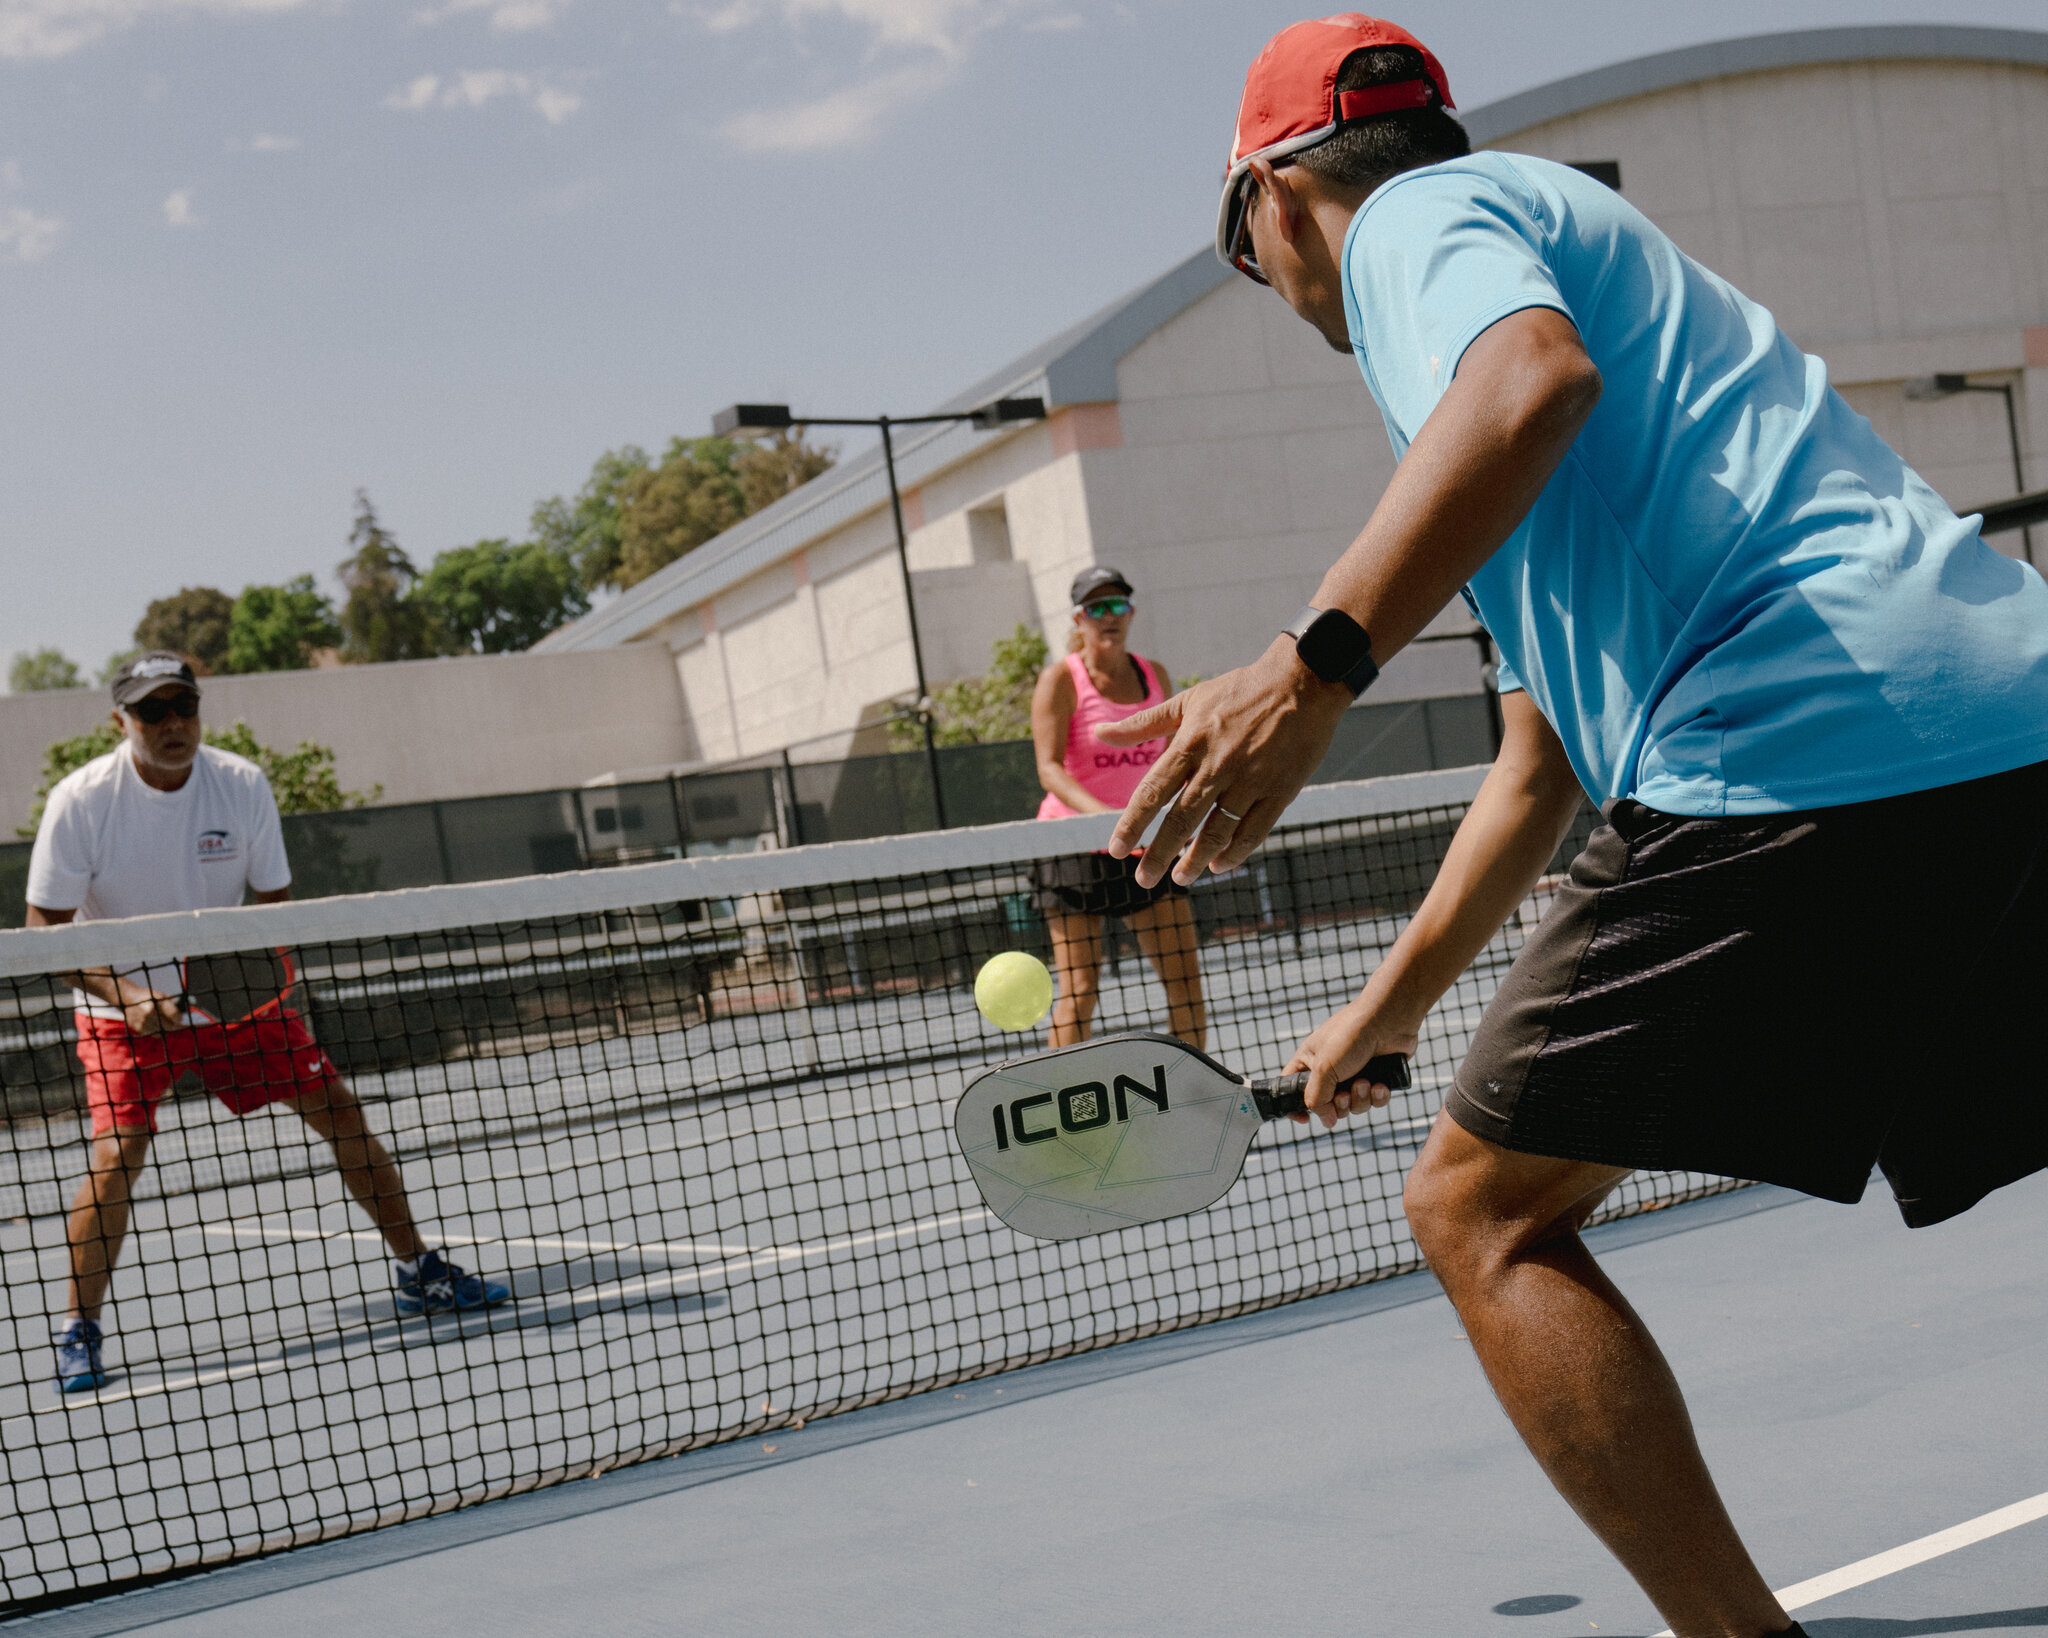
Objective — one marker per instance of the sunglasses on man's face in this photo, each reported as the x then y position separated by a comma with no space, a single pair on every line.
1106,608
158,706
1242,256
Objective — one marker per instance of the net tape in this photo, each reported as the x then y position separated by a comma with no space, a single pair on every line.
696,1115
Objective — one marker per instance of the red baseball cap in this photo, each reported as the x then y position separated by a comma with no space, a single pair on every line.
1291,102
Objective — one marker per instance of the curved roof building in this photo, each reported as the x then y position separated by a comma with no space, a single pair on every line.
1883,190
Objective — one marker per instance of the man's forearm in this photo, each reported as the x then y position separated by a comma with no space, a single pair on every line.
1507,839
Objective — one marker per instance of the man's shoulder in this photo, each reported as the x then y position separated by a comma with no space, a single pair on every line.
230,766
94,781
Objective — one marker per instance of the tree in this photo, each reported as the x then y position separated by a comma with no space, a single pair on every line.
193,623
497,598
303,781
586,529
691,497
379,621
41,671
114,663
986,709
277,628
767,472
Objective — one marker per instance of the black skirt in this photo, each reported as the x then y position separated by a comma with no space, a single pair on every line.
1094,884
1789,998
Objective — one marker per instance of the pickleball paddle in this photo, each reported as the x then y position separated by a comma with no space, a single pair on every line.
236,987
1126,1129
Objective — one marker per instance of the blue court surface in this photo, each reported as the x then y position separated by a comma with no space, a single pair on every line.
1335,1466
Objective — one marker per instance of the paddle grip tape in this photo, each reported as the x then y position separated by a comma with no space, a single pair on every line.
1283,1096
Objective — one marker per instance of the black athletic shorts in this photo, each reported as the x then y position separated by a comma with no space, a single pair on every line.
1094,884
1789,998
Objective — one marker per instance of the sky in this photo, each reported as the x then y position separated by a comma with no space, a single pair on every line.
256,255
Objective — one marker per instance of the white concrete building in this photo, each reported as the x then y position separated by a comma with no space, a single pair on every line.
1883,190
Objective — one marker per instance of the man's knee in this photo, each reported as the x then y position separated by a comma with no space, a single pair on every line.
1473,1205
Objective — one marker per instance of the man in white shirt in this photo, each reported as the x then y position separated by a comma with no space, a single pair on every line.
166,823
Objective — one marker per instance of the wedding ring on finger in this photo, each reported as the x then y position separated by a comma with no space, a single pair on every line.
1234,818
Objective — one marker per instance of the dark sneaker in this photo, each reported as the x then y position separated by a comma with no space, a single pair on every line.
439,1287
78,1357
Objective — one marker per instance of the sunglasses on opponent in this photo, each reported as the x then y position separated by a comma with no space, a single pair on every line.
1106,608
1291,102
153,708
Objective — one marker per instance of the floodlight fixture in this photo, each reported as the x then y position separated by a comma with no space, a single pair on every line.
1006,410
746,420
1931,389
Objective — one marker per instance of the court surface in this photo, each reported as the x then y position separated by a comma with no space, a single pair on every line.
1336,1466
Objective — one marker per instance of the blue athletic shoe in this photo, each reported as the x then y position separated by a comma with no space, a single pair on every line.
78,1357
438,1286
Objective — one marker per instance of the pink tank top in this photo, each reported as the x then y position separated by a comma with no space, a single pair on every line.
1110,772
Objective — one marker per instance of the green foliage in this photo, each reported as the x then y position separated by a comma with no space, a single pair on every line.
193,623
67,756
497,598
586,529
303,780
278,628
987,709
702,487
41,671
114,663
379,619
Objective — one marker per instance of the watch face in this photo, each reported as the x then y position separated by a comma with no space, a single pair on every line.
1329,650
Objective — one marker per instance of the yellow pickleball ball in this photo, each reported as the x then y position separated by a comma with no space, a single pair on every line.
1013,990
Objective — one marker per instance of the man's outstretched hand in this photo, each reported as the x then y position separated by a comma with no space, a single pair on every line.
1243,743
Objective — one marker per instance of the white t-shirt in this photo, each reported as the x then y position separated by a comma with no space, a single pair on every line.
110,846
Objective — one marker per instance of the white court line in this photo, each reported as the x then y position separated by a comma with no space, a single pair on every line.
198,1379
1879,1565
691,1246
619,1288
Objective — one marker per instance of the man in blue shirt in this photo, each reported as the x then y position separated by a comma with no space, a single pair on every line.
1811,702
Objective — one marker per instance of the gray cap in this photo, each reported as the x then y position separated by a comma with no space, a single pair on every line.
1094,580
148,672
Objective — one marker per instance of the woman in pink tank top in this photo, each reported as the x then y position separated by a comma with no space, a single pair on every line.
1102,681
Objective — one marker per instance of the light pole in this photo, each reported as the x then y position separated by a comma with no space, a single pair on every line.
740,420
1930,389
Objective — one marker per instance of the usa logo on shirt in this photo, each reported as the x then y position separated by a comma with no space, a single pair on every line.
216,847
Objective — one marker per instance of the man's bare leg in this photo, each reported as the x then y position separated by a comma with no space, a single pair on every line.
99,1216
1580,1377
366,1166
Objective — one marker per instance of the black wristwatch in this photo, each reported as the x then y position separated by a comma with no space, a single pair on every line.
1334,646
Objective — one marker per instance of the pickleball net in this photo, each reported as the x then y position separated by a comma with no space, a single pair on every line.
696,1115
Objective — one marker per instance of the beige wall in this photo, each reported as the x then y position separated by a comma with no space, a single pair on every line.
477,726
1241,458
1893,215
1894,218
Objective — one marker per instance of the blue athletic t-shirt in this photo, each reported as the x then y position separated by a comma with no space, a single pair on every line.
1732,596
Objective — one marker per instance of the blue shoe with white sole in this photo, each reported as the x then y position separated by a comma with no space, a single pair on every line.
438,1286
78,1357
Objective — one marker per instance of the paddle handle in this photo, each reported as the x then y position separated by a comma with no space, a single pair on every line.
1282,1095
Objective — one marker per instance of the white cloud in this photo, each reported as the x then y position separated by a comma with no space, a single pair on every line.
178,211
475,87
26,236
264,143
929,41
55,28
507,16
833,120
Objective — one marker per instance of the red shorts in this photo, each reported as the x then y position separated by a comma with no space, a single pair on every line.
247,1065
